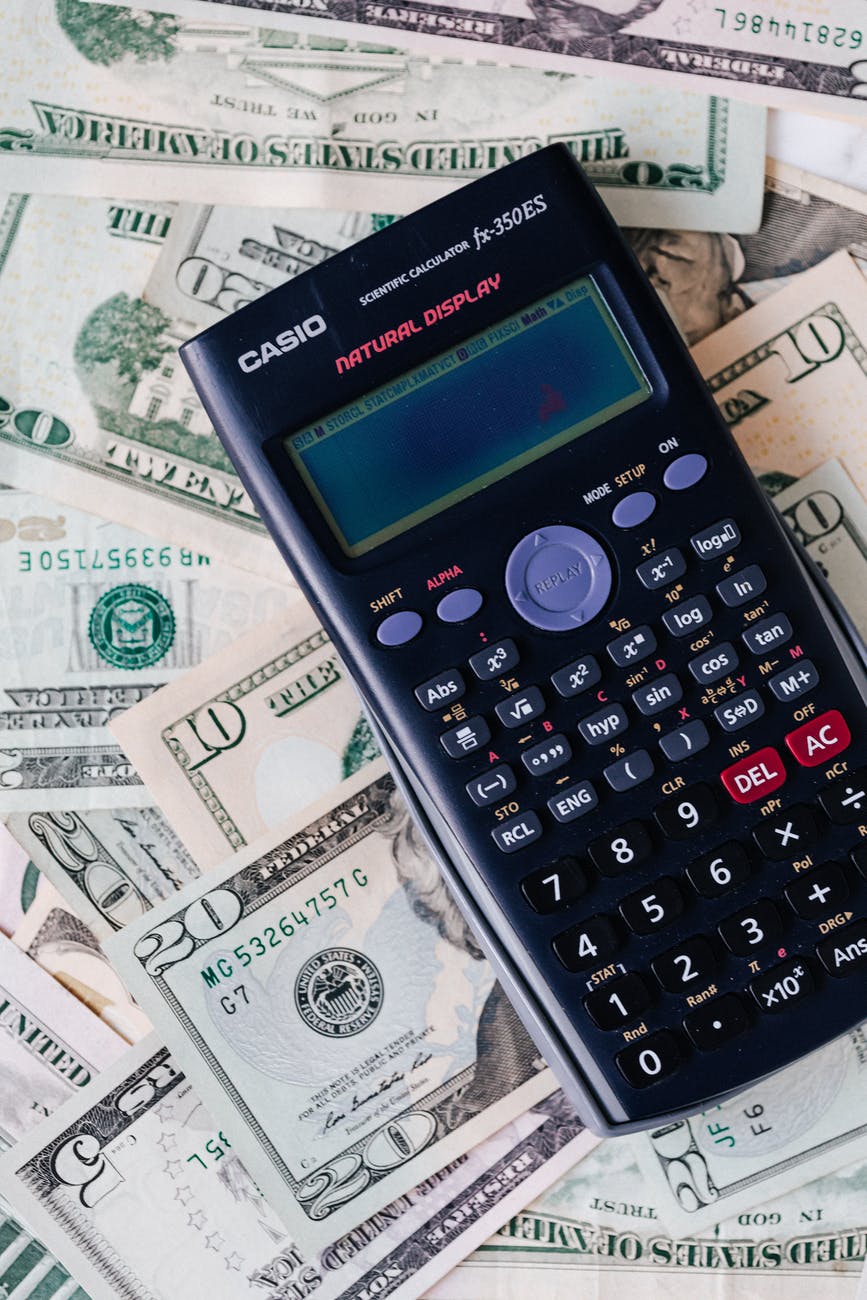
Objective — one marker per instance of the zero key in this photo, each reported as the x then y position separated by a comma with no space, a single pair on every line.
650,1059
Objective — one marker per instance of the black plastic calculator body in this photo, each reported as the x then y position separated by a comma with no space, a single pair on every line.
626,722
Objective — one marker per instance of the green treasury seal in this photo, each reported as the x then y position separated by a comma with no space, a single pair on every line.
338,992
132,626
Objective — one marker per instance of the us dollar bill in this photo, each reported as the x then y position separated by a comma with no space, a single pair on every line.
599,1231
184,109
790,376
217,258
39,771
109,864
788,1129
19,880
783,55
107,421
63,945
51,1046
28,1270
708,279
828,515
251,736
332,1007
135,1186
95,617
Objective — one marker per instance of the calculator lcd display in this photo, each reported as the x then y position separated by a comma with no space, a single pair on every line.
468,417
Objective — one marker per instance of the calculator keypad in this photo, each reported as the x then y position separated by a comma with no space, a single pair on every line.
688,813
719,872
618,1001
687,967
621,850
782,986
492,786
555,886
690,916
629,771
754,928
654,907
650,1059
587,945
717,1022
496,658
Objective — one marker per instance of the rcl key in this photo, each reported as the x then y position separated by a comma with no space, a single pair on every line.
782,985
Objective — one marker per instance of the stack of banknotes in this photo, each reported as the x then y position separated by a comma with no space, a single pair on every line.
197,831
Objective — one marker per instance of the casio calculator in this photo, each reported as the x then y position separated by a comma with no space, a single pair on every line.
618,706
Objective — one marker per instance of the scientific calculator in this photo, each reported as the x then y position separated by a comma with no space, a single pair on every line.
623,714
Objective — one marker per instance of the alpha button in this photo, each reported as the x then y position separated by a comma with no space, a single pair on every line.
558,578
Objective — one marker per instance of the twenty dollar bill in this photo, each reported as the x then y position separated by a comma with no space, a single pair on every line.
136,1187
333,1010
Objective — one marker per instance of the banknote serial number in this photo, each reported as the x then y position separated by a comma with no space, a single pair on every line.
762,24
272,936
83,559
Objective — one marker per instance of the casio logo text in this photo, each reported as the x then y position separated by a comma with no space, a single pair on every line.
286,341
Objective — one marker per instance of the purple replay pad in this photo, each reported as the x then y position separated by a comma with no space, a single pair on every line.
399,628
459,605
633,510
685,472
558,578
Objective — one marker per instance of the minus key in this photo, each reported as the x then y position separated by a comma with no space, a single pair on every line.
492,785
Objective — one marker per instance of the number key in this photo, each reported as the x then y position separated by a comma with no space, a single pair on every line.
621,849
753,928
716,873
591,943
618,1001
653,907
687,813
650,1059
686,967
555,886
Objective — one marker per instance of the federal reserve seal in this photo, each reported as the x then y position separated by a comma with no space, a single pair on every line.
338,992
132,626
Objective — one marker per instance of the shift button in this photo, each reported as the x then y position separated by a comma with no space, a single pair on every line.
399,628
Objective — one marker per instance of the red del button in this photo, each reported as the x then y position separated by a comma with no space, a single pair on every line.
753,777
820,738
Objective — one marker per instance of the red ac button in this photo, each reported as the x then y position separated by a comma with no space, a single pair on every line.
753,777
820,739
